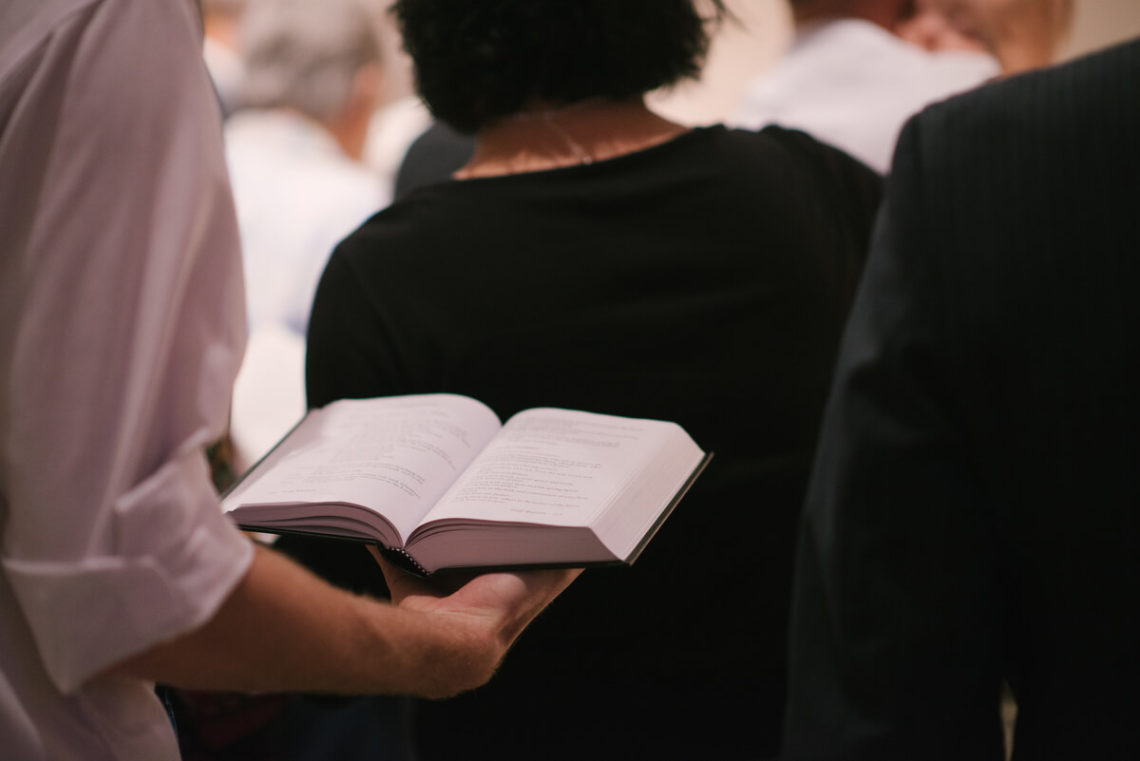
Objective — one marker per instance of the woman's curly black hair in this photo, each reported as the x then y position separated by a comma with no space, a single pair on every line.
477,61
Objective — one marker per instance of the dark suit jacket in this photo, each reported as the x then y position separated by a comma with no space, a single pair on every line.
974,514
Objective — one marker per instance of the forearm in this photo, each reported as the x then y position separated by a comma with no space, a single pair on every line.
283,629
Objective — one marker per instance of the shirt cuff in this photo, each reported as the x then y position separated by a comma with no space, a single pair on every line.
174,559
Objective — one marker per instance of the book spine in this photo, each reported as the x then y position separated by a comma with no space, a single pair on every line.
400,557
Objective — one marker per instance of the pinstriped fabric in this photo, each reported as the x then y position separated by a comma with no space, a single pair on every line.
974,514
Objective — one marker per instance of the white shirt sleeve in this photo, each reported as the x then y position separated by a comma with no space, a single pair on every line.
121,329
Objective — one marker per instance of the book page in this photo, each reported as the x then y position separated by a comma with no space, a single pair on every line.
396,455
555,467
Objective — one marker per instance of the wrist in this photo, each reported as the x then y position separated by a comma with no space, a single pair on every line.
454,651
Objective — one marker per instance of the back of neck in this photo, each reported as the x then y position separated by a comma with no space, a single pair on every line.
545,137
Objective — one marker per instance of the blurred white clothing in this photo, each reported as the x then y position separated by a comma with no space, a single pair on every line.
853,84
394,127
120,334
297,196
269,394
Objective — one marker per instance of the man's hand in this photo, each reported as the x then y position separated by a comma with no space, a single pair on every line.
508,601
485,613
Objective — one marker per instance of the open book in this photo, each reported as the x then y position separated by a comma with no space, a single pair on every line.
440,481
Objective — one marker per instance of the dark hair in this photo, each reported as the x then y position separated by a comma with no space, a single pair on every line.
477,61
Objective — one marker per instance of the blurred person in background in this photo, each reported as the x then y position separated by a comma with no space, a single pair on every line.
312,80
850,80
221,19
857,69
930,28
597,256
1021,34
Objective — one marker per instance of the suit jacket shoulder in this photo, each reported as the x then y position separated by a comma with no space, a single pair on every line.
1063,107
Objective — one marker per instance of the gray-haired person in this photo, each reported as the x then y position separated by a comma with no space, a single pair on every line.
311,84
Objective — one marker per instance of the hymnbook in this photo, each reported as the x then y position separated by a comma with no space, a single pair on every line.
440,481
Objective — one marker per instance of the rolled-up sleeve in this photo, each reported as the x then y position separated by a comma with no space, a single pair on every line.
122,328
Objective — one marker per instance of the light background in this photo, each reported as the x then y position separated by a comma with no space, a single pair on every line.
744,50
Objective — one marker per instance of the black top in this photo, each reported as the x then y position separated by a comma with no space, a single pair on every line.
704,281
975,512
